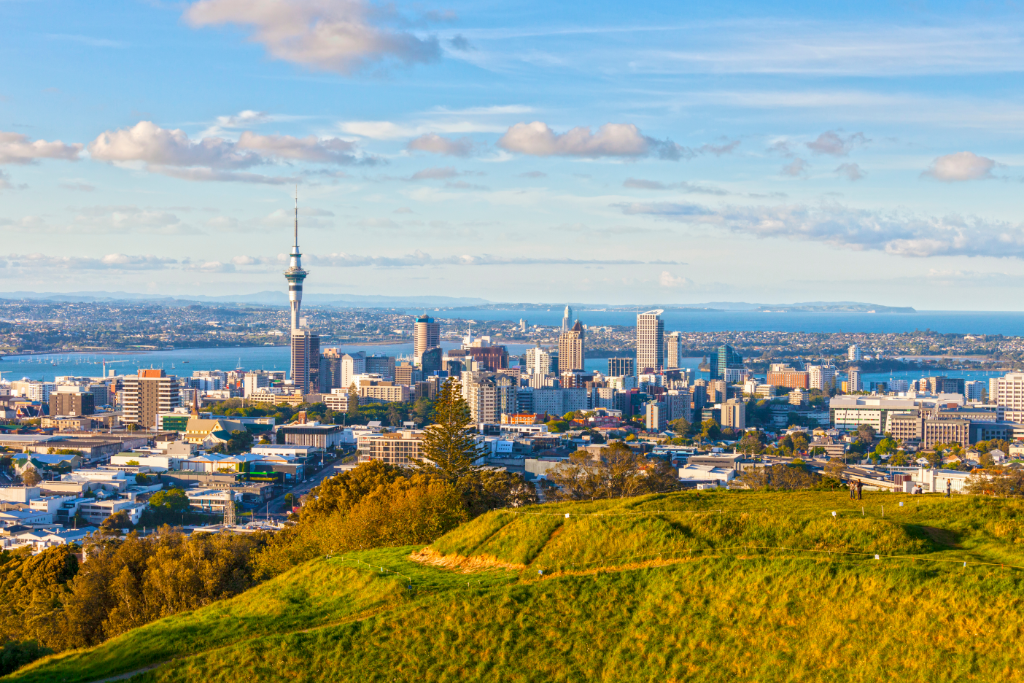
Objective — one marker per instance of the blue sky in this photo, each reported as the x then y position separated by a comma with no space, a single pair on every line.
517,151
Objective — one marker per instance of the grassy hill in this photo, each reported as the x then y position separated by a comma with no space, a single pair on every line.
691,586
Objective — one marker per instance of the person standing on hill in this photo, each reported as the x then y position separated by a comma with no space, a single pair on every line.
849,485
860,487
949,487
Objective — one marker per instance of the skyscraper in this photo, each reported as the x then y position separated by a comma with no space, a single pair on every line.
673,350
650,341
567,320
305,361
570,349
725,359
426,335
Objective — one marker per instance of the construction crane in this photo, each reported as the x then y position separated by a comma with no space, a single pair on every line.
110,362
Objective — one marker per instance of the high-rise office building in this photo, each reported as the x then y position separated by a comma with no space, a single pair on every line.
567,320
430,361
380,364
673,350
330,370
489,395
650,342
426,335
305,366
570,349
619,367
725,358
1007,392
353,364
148,394
853,353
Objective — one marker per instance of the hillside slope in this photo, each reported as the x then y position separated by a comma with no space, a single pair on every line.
695,586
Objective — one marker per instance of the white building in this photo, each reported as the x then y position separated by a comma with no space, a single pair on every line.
97,511
707,473
352,364
538,361
853,353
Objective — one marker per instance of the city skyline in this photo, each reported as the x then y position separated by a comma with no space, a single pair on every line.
517,153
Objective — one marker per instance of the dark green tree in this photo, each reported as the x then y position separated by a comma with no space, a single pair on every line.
450,442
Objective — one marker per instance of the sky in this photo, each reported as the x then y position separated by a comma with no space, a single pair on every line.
517,151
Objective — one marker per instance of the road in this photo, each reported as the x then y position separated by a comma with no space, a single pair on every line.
276,509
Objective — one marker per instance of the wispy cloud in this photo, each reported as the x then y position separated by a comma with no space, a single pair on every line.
420,258
893,232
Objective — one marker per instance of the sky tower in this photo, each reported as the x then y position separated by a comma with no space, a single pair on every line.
295,274
305,366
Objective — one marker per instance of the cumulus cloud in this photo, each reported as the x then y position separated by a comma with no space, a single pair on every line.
668,280
153,145
212,267
16,148
960,166
311,148
108,262
831,142
898,233
437,144
343,36
851,172
173,153
795,168
610,140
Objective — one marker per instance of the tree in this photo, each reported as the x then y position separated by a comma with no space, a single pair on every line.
394,415
900,459
615,472
997,482
752,443
289,500
886,446
710,430
834,468
116,522
14,655
680,426
866,433
422,410
786,477
352,409
173,500
30,476
450,443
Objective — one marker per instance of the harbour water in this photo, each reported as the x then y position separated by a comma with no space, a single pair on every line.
685,320
182,362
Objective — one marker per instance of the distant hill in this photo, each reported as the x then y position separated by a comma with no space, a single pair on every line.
266,298
699,586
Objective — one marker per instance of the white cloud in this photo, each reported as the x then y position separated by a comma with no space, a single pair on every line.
16,148
667,279
682,186
153,145
388,130
961,166
436,144
420,258
343,36
324,151
173,153
851,172
831,142
894,232
611,140
108,262
242,119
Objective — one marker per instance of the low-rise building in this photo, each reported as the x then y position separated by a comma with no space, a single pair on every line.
97,511
402,448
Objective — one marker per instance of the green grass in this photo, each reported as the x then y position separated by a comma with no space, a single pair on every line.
749,586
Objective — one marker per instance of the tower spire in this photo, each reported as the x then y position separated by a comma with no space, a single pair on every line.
296,216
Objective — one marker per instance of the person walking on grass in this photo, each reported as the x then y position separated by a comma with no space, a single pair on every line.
860,487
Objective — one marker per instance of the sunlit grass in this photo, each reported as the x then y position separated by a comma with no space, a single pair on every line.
709,586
